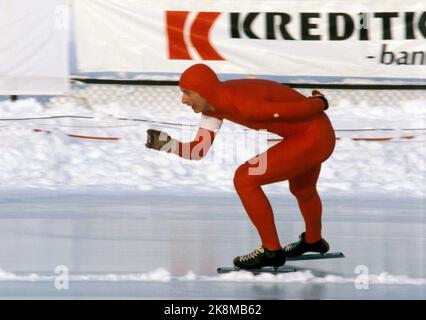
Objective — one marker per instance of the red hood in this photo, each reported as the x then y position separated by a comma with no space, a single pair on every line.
204,81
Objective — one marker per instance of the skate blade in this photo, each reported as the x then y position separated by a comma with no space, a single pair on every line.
257,271
313,256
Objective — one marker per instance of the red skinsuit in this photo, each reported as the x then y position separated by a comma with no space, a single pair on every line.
261,104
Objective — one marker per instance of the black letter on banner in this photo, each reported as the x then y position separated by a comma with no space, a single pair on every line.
270,25
348,23
235,30
386,16
422,24
306,25
247,24
421,54
409,27
363,31
385,54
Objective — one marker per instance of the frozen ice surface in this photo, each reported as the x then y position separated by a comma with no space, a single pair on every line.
144,245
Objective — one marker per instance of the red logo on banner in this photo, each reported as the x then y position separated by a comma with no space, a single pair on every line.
198,34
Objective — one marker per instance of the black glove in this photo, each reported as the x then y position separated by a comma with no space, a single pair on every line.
317,94
158,140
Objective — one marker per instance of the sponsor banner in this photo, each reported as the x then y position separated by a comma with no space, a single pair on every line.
33,47
329,38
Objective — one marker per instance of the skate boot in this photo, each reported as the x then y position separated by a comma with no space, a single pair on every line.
296,249
259,258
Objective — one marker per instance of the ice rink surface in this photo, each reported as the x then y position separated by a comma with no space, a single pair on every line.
148,245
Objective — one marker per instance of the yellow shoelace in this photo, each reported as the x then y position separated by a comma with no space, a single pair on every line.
253,254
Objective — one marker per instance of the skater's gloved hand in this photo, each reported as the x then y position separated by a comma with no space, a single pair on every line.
317,94
158,140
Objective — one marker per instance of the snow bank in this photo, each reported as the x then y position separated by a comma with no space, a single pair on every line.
57,161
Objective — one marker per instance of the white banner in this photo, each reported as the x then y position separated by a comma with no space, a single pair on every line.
33,47
359,38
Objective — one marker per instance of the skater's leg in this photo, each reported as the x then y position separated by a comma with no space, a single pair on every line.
285,160
259,210
303,187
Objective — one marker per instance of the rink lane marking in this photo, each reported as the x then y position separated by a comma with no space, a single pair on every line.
269,140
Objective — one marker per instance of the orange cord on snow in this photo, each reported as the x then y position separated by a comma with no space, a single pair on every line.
80,136
361,139
269,140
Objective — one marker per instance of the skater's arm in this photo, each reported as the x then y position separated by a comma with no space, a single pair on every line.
194,150
199,147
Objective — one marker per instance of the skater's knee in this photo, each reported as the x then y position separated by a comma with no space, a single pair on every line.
303,193
242,178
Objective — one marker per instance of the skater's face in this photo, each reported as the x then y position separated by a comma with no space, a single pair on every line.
195,101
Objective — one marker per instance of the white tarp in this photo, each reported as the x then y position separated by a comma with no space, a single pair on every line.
33,47
292,38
